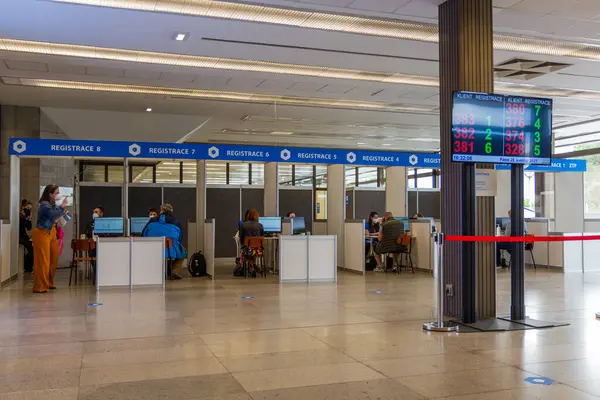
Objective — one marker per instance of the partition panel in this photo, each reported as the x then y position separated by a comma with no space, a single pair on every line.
254,199
299,201
141,199
430,204
366,201
223,204
412,203
350,201
109,197
183,200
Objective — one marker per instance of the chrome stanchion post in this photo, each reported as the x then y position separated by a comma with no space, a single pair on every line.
438,265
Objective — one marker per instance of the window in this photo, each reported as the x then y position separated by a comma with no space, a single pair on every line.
303,175
93,172
421,178
115,173
321,176
190,171
367,176
320,204
529,192
216,172
285,175
591,186
258,174
239,173
141,173
168,172
350,176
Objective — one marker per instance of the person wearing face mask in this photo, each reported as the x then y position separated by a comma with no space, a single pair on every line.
98,212
45,243
24,239
153,213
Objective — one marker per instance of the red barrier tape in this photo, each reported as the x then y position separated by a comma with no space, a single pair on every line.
523,239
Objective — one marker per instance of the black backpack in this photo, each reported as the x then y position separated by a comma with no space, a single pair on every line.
197,265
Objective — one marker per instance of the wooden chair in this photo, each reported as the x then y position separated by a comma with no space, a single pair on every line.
406,242
81,253
257,243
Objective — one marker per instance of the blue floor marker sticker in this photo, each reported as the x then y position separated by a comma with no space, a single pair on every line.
378,291
247,297
95,304
538,380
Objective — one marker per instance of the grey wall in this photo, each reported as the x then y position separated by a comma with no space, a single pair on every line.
349,203
300,201
430,204
141,199
183,201
223,204
108,197
366,201
253,199
412,203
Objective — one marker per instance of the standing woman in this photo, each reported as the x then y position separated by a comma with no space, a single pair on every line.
45,242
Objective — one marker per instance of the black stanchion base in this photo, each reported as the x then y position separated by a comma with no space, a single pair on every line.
503,324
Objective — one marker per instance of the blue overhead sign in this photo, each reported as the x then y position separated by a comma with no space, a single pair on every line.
558,165
201,151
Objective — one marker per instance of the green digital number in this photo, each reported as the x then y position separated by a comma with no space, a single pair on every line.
537,110
488,135
538,123
489,120
488,147
536,150
538,137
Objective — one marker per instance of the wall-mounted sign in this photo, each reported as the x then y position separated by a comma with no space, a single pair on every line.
199,151
485,182
557,165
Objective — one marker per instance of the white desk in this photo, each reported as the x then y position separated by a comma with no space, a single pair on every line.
310,258
129,261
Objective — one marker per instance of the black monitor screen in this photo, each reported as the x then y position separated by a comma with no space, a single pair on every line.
109,226
137,225
271,224
298,225
494,128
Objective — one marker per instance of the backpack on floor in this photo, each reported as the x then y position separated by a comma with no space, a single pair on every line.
197,265
370,263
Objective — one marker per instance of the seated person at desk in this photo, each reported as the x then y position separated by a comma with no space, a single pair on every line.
389,231
152,213
507,246
417,215
168,226
372,229
251,227
291,214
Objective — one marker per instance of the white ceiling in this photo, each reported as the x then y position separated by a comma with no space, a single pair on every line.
172,118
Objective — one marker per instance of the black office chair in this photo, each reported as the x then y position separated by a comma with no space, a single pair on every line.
529,248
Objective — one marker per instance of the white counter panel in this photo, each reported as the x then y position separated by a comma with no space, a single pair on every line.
293,258
147,261
354,246
113,261
322,266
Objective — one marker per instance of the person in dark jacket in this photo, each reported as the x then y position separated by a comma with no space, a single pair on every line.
389,231
24,239
156,228
251,227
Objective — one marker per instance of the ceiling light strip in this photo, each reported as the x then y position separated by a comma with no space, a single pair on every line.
180,60
221,95
340,23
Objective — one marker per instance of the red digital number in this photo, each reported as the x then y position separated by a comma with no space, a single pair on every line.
464,119
514,149
514,108
463,147
514,122
513,135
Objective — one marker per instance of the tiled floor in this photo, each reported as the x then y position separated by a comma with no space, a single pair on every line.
202,340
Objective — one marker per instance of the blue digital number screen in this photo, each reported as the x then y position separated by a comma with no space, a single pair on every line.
492,128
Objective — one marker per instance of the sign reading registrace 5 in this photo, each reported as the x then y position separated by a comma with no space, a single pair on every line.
200,151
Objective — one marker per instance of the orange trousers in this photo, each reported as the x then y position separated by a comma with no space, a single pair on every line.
45,259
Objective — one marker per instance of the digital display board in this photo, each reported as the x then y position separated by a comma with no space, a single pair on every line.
493,128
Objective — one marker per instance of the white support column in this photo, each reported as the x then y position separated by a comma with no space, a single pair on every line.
125,200
503,193
336,207
271,200
569,202
395,191
200,203
15,205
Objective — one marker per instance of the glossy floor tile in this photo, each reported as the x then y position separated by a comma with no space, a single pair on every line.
360,339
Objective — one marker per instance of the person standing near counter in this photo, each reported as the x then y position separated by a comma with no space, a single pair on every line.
45,242
24,239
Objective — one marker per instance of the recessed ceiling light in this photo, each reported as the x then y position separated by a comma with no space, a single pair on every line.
281,133
386,144
180,37
148,109
360,143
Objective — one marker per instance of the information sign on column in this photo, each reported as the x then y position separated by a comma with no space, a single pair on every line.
501,129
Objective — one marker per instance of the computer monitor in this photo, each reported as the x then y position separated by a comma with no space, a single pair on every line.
137,225
298,226
406,222
111,226
271,224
